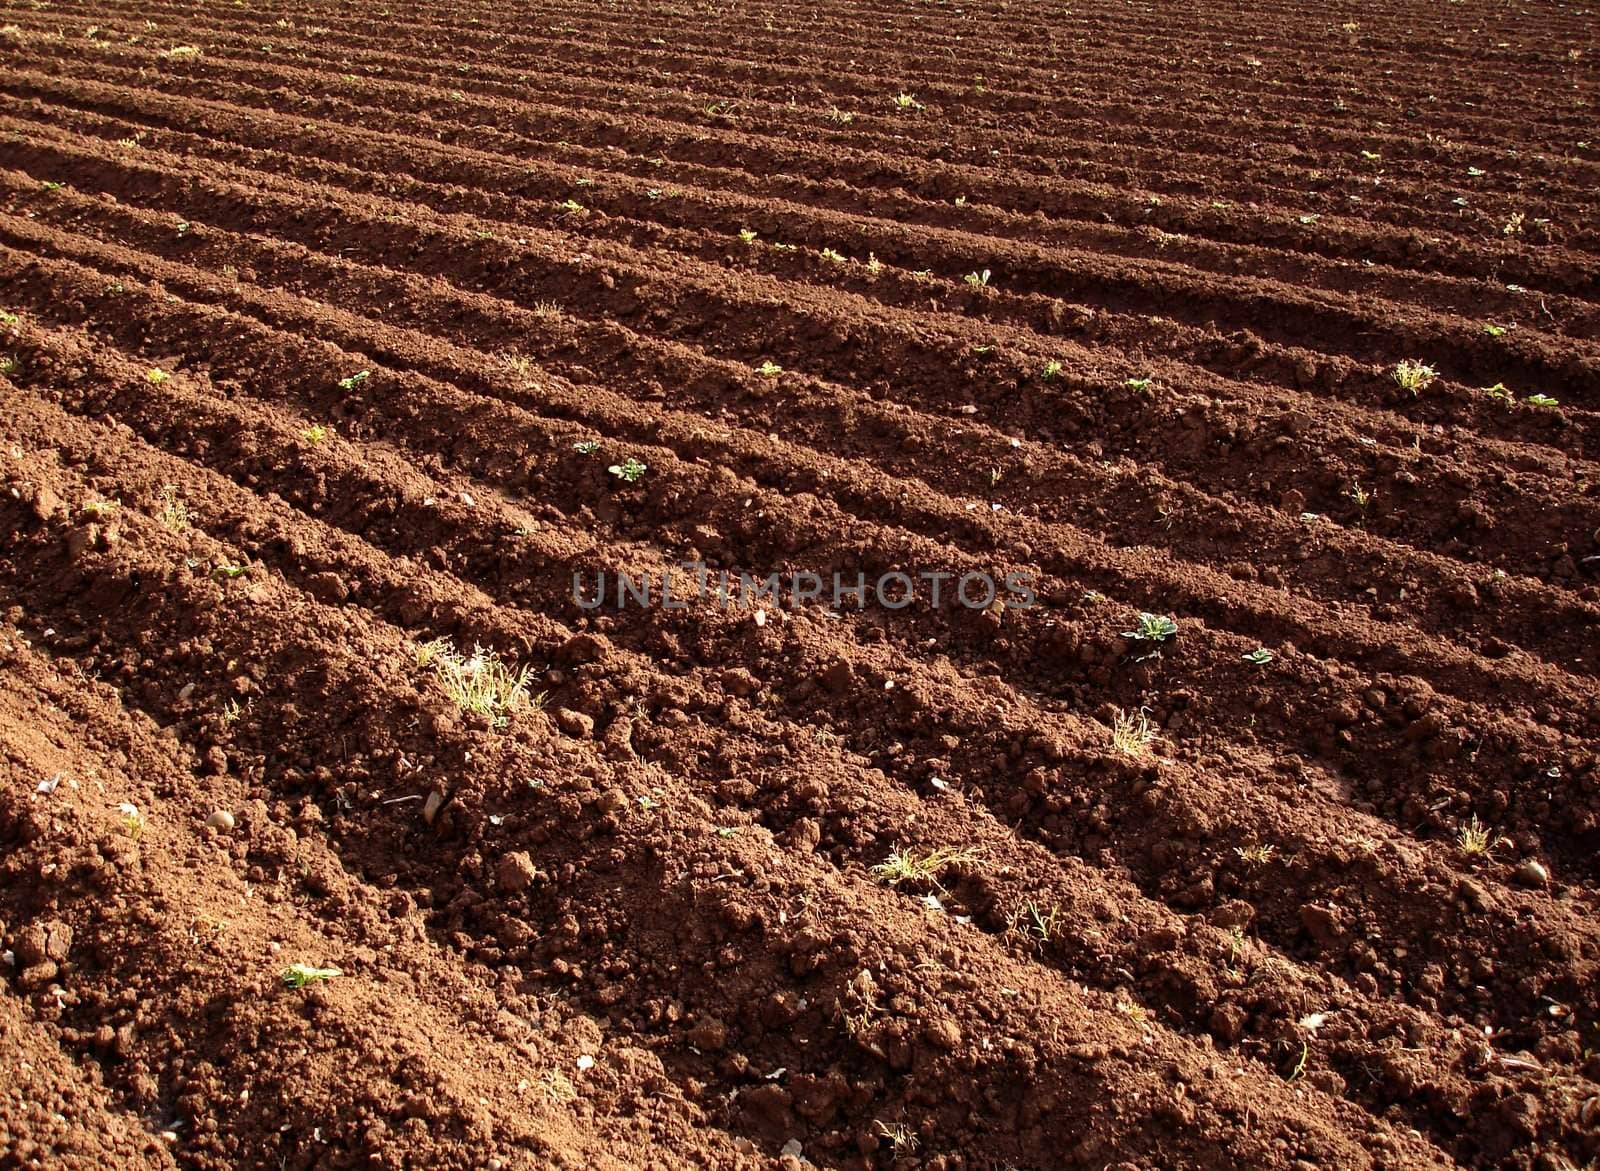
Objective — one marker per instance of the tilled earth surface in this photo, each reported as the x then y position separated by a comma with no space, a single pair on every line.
324,326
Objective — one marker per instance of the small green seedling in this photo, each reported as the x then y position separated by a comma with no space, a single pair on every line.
9,365
1259,657
227,572
156,376
297,976
1052,369
1476,172
1371,156
8,318
1499,393
629,470
977,280
586,446
769,369
1494,330
1360,496
52,185
1138,385
1543,400
354,380
573,207
314,434
1413,376
832,256
1258,855
907,102
1152,628
747,235
132,820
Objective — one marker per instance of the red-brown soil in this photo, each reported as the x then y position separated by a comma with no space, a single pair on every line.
641,923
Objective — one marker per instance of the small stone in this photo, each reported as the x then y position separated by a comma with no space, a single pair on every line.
515,872
574,724
709,1035
943,1033
327,587
1227,1023
583,648
1532,873
221,820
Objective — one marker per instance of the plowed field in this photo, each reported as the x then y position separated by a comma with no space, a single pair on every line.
342,343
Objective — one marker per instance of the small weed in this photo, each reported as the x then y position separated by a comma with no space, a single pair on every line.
1138,385
1035,924
1413,376
297,976
629,470
10,365
558,1087
545,310
229,572
314,434
1543,400
1299,1070
747,235
900,1137
1360,496
1494,330
874,265
100,509
1132,733
128,143
769,369
907,102
834,257
1259,657
1371,156
586,446
1258,855
479,682
1137,1013
182,53
354,380
977,280
1499,393
174,513
841,117
8,318
1513,225
52,185
1475,839
1052,369
574,208
910,866
156,376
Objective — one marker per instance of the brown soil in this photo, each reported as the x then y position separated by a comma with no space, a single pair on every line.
641,922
